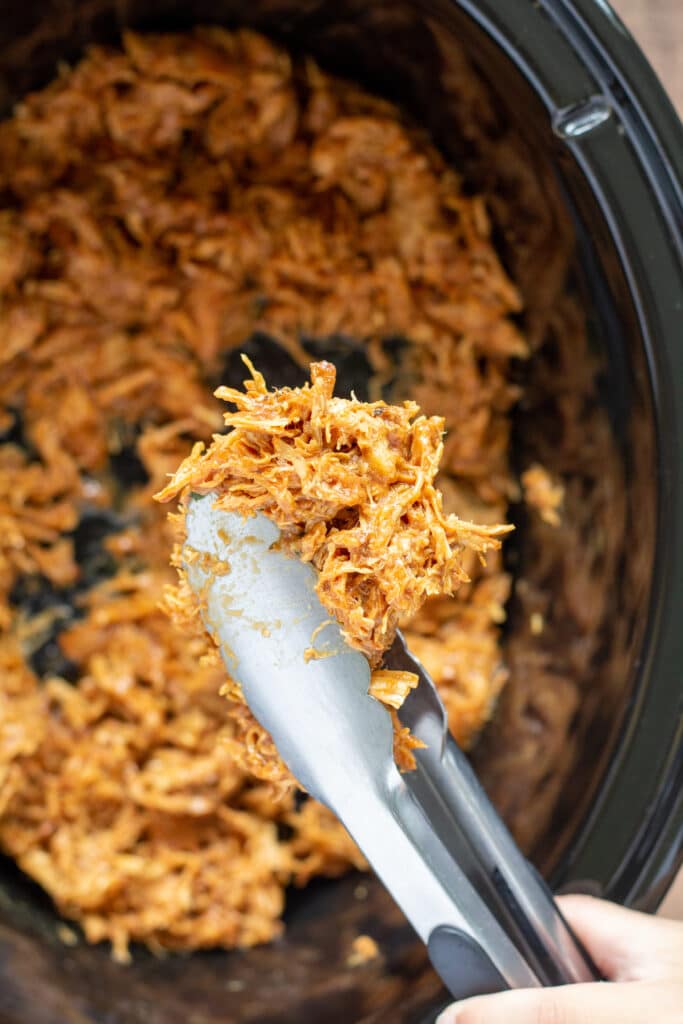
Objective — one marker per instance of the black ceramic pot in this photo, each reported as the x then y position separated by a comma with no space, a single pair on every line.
604,151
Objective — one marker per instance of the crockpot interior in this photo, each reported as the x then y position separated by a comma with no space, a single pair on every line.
435,60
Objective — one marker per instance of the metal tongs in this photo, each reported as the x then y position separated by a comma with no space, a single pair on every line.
431,835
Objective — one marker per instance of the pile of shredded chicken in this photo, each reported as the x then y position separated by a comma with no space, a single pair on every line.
351,487
161,206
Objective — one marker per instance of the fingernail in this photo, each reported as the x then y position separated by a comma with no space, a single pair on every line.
447,1016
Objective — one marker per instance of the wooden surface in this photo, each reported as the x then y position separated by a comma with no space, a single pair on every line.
658,27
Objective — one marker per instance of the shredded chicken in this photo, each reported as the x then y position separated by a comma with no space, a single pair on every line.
364,949
163,206
543,493
351,487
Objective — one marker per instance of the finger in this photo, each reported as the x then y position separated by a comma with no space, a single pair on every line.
625,944
597,1003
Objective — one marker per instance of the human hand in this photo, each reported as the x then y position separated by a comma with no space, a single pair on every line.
642,957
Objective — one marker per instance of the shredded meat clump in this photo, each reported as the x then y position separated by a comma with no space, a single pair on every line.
351,487
363,950
543,493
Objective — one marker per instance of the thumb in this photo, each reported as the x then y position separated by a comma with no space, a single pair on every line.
626,945
596,1003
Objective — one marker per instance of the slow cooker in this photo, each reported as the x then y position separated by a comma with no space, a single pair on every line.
585,118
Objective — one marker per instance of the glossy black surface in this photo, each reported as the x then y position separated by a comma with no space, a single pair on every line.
620,825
